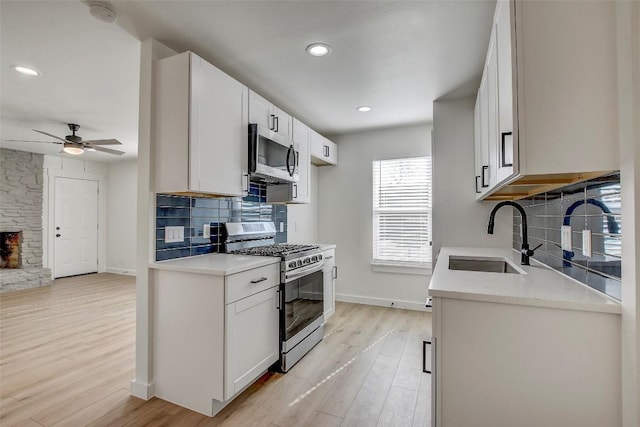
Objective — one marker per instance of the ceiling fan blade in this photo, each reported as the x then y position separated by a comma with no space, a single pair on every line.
52,136
26,140
108,150
103,142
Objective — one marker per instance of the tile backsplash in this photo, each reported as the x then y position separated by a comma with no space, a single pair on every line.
193,212
591,205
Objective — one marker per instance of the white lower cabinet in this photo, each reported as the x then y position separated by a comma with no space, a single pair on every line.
496,364
330,274
251,339
213,335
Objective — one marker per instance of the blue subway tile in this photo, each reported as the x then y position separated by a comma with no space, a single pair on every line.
171,254
172,222
173,212
172,201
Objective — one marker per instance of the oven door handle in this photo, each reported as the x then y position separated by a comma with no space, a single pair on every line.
299,273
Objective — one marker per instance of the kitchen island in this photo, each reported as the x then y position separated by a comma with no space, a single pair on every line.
526,347
215,327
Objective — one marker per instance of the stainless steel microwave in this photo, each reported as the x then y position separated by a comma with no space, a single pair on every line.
272,157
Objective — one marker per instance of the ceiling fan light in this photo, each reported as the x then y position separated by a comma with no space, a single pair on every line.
73,149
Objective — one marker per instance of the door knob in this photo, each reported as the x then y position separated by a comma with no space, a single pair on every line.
57,235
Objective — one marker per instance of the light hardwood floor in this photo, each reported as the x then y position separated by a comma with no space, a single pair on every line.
67,356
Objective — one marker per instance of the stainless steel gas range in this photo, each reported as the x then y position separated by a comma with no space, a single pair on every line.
301,292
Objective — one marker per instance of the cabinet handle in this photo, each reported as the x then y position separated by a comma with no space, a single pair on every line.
245,183
477,183
485,183
262,279
335,271
503,150
272,126
278,299
425,343
325,149
295,191
277,123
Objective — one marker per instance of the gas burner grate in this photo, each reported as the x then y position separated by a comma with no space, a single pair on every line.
280,249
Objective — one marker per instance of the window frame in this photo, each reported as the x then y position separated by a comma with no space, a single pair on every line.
399,266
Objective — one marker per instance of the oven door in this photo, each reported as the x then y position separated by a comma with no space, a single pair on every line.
303,303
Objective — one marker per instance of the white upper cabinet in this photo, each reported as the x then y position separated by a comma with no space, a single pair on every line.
301,136
297,192
200,128
323,151
269,116
554,99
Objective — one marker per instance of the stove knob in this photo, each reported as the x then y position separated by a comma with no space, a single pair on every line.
319,257
292,264
299,262
307,260
314,258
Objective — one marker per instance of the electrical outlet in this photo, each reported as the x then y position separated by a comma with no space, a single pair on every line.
206,231
174,234
566,238
586,243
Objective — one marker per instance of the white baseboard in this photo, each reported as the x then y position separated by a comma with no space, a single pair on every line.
409,305
120,271
142,390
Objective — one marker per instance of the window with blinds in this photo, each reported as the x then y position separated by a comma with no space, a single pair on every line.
402,212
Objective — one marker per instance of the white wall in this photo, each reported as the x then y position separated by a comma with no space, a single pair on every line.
302,220
628,16
458,219
121,217
345,215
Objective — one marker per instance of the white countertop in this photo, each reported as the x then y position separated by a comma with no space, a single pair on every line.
215,264
540,286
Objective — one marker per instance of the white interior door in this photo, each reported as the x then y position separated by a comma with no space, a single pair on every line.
75,227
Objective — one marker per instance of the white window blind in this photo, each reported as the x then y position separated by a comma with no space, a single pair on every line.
402,211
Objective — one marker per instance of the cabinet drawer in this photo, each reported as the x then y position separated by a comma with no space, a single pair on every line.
241,285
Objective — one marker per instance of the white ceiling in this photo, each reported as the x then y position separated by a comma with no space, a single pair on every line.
397,56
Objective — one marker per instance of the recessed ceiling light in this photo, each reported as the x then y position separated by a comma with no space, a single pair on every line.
25,70
318,49
363,108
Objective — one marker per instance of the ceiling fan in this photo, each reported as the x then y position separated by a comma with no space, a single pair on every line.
73,144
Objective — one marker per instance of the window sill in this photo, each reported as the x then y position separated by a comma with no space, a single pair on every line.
401,268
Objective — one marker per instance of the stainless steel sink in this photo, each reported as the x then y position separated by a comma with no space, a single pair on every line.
490,265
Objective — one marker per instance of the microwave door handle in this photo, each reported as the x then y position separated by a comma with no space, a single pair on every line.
290,169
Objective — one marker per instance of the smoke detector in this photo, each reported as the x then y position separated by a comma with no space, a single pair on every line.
102,11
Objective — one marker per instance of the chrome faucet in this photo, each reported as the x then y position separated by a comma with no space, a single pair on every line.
525,252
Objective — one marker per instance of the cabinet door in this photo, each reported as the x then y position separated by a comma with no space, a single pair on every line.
323,151
477,131
483,143
261,111
506,137
492,112
283,123
329,277
302,187
251,339
218,130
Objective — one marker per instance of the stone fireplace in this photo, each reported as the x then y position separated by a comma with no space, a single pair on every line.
21,221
